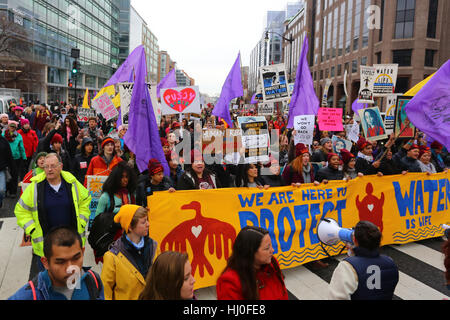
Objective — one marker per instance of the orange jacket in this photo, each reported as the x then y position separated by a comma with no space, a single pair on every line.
98,167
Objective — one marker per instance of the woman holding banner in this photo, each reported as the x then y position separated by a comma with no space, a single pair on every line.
248,177
300,169
197,176
252,272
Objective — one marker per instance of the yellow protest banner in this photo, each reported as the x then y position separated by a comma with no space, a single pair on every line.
205,223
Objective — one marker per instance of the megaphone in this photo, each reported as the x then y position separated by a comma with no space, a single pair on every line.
330,233
446,230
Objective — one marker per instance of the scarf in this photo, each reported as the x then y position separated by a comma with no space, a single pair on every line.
69,133
365,157
122,194
10,136
307,174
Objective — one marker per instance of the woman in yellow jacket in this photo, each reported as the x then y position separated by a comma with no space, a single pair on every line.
126,264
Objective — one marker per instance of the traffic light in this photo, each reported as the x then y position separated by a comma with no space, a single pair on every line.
70,83
75,67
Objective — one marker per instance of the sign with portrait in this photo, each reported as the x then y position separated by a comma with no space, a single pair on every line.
339,144
402,123
274,83
372,124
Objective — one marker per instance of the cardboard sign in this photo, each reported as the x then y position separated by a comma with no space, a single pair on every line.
126,91
385,79
180,100
330,119
366,88
105,106
94,185
304,127
274,84
372,124
83,114
266,108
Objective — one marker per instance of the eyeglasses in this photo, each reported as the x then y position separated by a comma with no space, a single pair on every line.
53,166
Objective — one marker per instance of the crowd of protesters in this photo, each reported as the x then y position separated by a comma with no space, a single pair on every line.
52,151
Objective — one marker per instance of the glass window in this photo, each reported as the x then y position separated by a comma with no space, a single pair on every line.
429,57
354,66
348,38
404,23
432,18
402,57
357,25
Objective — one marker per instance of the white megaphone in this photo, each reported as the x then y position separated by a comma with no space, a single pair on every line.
330,233
446,230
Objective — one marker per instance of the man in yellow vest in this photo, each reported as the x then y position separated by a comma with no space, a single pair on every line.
54,198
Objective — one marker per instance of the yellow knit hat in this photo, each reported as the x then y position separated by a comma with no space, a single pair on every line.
125,215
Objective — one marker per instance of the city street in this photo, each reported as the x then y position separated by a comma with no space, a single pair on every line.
420,264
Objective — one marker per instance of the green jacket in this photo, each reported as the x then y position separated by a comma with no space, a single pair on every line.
17,148
31,214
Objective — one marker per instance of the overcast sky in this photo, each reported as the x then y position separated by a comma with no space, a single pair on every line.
204,37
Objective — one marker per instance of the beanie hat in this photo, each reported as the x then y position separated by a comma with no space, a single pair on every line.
56,138
324,140
107,140
414,146
4,115
24,122
18,108
434,145
300,149
330,155
154,167
164,142
422,150
362,143
346,156
125,215
41,154
12,123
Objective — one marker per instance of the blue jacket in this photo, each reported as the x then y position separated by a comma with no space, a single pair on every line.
44,290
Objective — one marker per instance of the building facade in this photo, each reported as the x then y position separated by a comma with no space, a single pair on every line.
183,79
345,34
51,29
165,64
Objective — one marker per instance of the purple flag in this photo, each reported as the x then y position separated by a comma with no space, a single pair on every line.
231,89
254,99
358,106
304,100
142,137
169,81
429,110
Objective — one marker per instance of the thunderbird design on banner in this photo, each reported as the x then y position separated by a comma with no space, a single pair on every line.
405,208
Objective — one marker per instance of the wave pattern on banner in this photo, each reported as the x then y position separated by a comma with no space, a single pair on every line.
310,253
415,235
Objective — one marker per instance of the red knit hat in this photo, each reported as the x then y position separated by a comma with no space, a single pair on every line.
346,156
330,155
436,145
56,138
414,146
300,149
362,143
164,142
422,150
24,122
154,167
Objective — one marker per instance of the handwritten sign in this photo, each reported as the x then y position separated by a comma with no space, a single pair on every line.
304,127
352,131
105,106
84,114
330,119
180,100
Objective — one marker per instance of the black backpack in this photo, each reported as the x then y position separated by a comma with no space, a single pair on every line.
103,230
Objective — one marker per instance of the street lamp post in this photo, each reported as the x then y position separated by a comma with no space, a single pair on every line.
290,40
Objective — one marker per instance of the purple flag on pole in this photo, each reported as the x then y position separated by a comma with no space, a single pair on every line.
142,137
169,81
358,106
429,110
254,99
231,89
304,100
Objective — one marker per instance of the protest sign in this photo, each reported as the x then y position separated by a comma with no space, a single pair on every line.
229,140
330,119
274,84
105,106
389,119
304,128
385,79
83,114
401,119
328,83
94,185
180,100
372,124
352,131
126,91
266,108
406,208
255,138
339,144
366,88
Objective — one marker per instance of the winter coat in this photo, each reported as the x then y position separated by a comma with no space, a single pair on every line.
98,166
187,181
41,119
365,167
145,188
290,176
6,158
121,273
81,161
410,164
229,285
328,173
17,148
30,141
44,289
